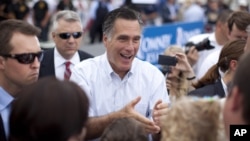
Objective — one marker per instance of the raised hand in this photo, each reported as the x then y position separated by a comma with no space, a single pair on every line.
129,111
192,56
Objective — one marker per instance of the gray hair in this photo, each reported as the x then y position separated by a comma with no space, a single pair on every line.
67,15
119,13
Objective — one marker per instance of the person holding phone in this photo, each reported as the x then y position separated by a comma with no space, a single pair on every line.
180,76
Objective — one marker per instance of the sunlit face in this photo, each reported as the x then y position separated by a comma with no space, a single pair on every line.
67,47
237,34
15,74
123,45
223,29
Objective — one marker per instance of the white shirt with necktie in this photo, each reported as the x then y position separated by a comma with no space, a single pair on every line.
59,63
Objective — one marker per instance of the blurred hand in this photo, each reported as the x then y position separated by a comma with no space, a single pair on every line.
183,64
192,56
129,111
160,111
172,83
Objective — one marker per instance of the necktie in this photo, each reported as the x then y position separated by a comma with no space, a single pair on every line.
2,132
67,72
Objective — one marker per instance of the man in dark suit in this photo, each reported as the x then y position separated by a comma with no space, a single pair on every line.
20,57
67,35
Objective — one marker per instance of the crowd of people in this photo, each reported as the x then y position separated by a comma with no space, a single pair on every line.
40,12
66,94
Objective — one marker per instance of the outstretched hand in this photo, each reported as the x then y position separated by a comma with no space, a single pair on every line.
129,111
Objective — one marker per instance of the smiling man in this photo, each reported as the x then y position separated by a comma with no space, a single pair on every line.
20,56
118,84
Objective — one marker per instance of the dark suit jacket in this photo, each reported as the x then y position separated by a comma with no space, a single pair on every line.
47,64
215,89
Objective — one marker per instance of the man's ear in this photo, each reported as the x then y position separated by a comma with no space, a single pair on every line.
53,35
2,62
233,64
105,40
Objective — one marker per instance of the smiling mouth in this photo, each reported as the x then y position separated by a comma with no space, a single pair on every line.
126,56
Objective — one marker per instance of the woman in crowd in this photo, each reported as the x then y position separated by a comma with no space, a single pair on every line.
219,76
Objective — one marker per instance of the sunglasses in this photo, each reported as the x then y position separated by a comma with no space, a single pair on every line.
25,58
75,35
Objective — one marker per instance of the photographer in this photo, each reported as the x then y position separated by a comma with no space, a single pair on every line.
179,76
237,24
192,49
217,39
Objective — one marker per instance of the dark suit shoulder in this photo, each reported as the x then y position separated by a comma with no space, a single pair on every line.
215,89
47,64
207,90
84,55
48,56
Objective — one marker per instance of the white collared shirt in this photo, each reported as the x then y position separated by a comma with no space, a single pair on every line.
59,63
108,93
208,62
198,67
224,87
5,100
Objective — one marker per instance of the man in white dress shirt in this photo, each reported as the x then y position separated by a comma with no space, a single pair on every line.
118,84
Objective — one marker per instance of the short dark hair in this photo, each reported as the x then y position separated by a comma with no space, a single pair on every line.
224,15
11,26
240,18
119,13
49,109
241,80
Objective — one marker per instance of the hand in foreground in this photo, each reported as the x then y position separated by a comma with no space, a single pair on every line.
160,111
129,111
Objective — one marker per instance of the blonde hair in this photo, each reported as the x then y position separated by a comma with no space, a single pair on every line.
193,120
173,49
183,86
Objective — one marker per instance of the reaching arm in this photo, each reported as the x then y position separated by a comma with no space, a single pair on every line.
96,125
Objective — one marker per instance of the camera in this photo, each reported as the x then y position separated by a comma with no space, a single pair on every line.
203,45
167,61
